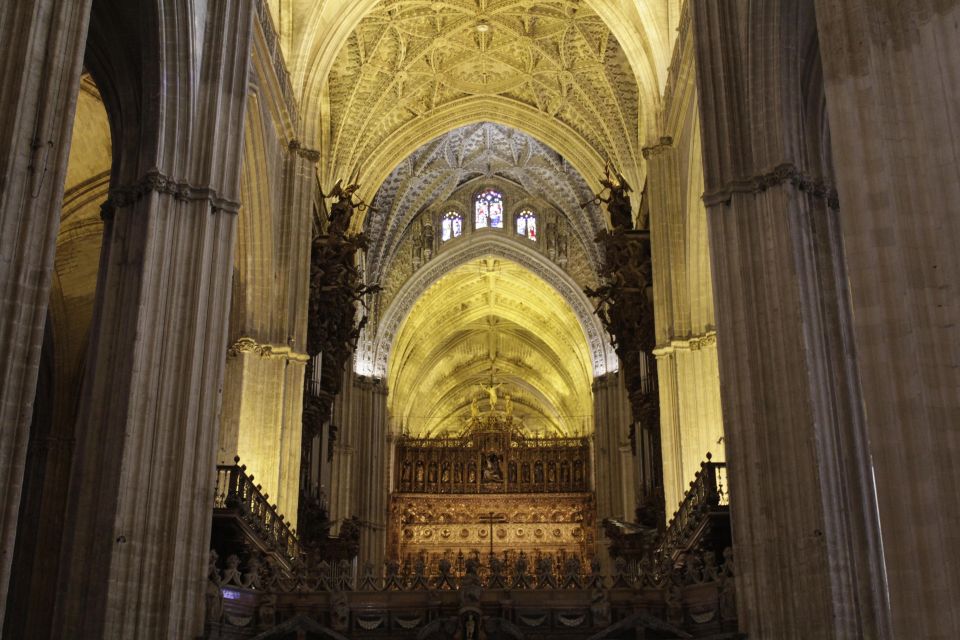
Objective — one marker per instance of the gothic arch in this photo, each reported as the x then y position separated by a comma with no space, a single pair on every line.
549,131
372,356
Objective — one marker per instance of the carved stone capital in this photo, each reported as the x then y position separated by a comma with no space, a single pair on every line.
310,155
249,345
155,181
666,142
688,343
786,173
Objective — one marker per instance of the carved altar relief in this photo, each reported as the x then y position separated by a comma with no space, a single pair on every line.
457,494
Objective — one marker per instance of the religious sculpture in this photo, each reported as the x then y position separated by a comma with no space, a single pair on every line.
625,307
492,393
508,405
618,202
338,218
491,468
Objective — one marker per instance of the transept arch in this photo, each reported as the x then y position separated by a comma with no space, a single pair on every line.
372,356
475,110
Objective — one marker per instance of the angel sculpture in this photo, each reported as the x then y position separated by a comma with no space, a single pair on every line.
618,202
341,211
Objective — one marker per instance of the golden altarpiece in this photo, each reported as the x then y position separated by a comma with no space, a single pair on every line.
492,489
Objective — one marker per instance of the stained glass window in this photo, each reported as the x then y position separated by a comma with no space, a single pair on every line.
527,224
451,226
489,209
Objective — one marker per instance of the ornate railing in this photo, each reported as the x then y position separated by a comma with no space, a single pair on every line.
569,602
521,573
237,493
707,493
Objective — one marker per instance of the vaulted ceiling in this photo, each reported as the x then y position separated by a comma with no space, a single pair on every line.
411,68
414,99
432,173
491,317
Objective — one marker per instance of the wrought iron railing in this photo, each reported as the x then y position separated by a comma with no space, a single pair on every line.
236,492
708,492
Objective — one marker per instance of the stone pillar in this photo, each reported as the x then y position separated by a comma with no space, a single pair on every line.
360,481
142,481
615,482
263,388
690,417
802,501
691,423
892,76
39,81
262,406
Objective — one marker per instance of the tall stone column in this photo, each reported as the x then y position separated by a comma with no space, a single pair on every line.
263,386
262,407
801,496
359,480
39,81
691,423
615,479
133,563
892,76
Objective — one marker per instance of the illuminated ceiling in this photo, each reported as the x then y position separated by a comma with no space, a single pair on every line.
490,317
413,69
434,171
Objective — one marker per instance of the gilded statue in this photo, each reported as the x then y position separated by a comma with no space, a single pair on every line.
474,408
492,393
508,404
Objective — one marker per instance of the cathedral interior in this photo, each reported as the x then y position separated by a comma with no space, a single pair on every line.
480,319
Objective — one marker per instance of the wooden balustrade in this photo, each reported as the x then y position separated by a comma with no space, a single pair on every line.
237,495
707,495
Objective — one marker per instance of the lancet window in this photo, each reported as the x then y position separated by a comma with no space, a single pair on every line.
488,208
527,224
451,226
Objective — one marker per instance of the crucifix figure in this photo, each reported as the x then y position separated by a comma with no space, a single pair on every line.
492,393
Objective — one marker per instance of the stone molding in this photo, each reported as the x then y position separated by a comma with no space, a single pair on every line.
249,345
155,181
786,173
666,142
677,59
310,155
690,343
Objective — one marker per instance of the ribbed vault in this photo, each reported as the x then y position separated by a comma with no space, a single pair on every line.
554,64
431,173
491,319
